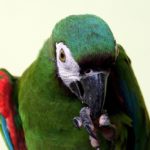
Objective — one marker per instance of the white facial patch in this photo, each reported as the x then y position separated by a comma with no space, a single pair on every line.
68,70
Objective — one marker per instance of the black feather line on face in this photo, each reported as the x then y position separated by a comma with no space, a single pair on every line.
96,62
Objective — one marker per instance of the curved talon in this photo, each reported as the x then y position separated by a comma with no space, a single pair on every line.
77,122
90,131
104,120
94,143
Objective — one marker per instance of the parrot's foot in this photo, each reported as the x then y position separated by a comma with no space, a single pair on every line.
108,130
84,120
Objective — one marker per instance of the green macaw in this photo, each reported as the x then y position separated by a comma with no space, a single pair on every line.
81,79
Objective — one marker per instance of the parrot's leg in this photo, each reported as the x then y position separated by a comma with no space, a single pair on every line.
84,120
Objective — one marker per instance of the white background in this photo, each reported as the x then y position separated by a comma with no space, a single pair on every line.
26,24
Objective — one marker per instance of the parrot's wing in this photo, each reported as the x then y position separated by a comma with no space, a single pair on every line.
132,102
5,94
8,113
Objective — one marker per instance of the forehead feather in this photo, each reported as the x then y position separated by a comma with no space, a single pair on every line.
84,34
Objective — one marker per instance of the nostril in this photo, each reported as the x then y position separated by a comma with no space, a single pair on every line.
80,88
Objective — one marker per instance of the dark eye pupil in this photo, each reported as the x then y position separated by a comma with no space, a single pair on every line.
62,55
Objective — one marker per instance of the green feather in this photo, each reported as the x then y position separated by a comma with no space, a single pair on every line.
84,34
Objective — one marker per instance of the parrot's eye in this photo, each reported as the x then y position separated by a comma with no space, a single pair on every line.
62,56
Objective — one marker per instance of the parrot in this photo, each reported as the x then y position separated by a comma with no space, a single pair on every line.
79,93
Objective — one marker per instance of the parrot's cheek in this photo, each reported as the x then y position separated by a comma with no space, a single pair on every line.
91,90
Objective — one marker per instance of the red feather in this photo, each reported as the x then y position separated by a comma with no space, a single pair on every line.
7,109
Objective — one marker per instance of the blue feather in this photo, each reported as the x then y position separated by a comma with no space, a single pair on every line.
6,133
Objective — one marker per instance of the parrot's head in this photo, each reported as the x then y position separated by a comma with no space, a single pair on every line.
85,50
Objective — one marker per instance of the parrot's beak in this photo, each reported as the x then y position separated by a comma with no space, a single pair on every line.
91,90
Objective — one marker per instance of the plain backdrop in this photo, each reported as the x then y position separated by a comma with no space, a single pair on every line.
26,24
